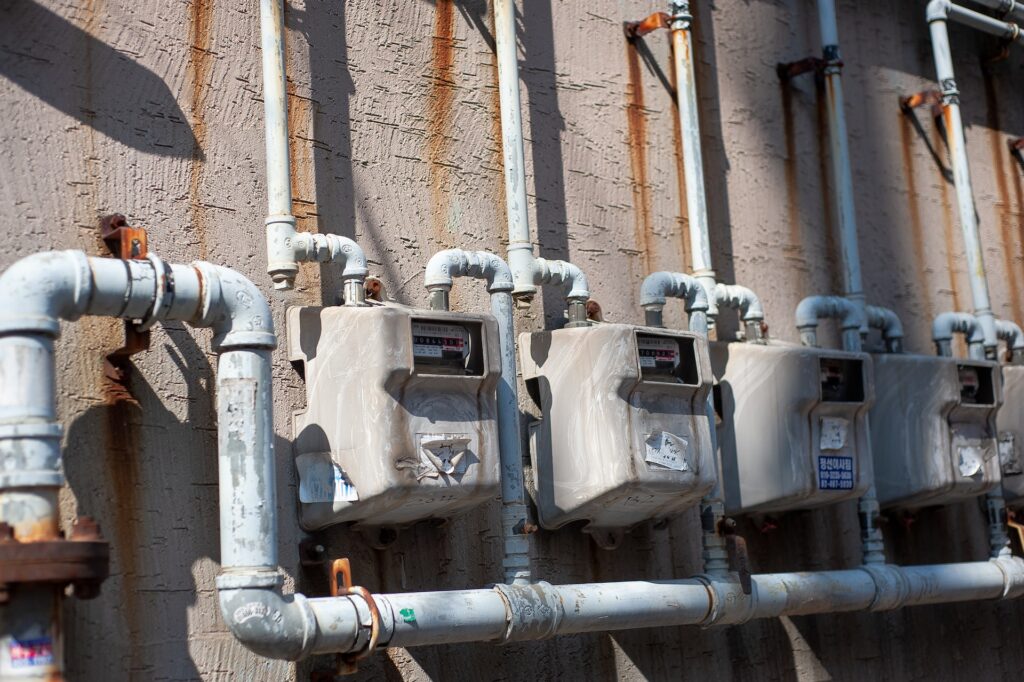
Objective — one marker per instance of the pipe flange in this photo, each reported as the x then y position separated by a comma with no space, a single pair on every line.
163,296
725,603
532,611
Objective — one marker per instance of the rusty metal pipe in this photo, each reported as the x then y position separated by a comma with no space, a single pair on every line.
441,270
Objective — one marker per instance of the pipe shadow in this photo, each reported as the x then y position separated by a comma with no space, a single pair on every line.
155,513
55,61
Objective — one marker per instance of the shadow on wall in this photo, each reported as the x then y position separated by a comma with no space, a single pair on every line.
55,60
150,480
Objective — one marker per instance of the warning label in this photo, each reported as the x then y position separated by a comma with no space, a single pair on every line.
29,653
835,473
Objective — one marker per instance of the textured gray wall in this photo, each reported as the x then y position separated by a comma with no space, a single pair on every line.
153,109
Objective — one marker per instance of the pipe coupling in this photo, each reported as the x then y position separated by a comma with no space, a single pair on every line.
891,586
531,611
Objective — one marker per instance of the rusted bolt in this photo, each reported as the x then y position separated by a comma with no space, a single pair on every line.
85,529
312,553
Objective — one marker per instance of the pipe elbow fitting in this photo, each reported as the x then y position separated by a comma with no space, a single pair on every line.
814,308
658,286
562,272
40,290
443,266
742,299
332,248
948,323
235,308
938,10
269,624
888,322
1010,333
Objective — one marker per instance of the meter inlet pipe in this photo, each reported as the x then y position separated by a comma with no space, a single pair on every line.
939,12
442,268
888,323
654,291
286,248
528,272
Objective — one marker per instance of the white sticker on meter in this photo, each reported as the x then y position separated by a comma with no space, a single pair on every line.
657,352
668,450
439,341
833,433
322,480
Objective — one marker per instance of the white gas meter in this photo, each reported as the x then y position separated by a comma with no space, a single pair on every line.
624,435
400,423
933,429
793,429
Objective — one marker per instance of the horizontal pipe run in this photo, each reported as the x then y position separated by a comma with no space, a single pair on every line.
943,10
1010,10
540,611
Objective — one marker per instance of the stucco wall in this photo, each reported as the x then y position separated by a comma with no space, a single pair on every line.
152,109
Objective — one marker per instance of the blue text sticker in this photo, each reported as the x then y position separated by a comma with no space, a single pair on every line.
835,473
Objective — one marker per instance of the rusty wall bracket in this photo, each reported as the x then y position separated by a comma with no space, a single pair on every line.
341,586
128,243
790,70
1017,150
736,547
638,29
926,98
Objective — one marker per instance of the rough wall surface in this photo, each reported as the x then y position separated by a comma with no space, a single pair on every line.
153,109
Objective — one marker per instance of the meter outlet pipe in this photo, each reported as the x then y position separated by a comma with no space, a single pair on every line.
442,268
528,271
286,247
654,292
939,13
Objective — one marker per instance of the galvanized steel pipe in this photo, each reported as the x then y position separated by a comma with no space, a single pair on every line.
438,279
286,248
528,272
938,13
946,324
888,323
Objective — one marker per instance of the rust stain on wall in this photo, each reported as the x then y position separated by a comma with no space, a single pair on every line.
916,227
683,219
1011,247
438,116
794,248
636,118
947,225
832,255
200,18
301,170
500,234
121,460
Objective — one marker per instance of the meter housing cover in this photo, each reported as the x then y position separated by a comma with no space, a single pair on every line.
793,426
1011,434
400,420
933,429
624,434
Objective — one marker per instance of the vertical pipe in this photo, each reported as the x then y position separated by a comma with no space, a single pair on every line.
839,151
689,126
248,511
513,493
281,263
520,249
962,179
